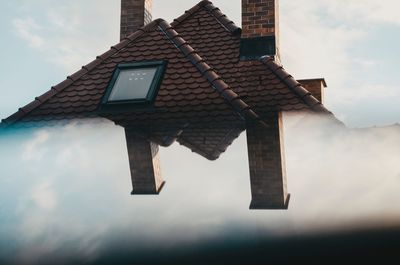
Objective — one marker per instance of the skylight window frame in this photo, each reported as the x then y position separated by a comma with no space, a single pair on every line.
108,105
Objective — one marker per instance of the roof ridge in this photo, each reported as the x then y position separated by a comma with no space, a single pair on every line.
294,85
214,11
243,109
71,79
222,18
187,14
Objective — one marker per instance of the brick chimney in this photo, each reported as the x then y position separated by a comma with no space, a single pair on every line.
260,37
143,154
267,164
260,29
134,14
144,162
316,87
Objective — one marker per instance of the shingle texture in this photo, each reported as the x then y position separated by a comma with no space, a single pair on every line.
207,95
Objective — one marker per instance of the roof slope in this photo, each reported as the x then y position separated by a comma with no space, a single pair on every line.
263,84
207,93
191,91
189,82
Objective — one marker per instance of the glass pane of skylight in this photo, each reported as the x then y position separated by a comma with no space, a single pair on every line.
132,84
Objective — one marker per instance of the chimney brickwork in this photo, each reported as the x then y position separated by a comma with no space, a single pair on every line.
134,14
315,87
143,155
259,18
144,161
267,165
260,28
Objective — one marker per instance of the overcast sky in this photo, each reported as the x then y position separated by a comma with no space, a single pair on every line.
58,197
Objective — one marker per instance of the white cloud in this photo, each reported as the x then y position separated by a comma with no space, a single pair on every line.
28,29
365,11
34,149
319,39
80,190
71,34
371,91
44,196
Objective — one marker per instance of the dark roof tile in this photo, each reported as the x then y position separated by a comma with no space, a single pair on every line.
203,73
43,98
310,101
67,82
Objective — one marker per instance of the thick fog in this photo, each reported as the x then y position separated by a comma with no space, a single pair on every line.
65,190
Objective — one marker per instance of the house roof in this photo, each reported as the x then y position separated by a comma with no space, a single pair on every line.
207,94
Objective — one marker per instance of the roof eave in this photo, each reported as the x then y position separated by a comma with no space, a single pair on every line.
22,112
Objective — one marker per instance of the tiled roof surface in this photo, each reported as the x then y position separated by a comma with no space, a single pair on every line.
264,84
206,89
185,91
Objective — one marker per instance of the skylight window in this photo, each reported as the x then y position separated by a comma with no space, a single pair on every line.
134,83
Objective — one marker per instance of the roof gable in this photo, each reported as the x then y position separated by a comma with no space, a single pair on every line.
188,80
191,91
263,84
205,83
216,43
214,11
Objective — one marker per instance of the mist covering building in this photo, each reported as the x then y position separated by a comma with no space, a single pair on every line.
201,81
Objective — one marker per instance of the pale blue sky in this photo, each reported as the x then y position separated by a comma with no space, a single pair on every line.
353,44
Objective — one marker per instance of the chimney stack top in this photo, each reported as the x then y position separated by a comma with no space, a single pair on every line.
134,14
260,29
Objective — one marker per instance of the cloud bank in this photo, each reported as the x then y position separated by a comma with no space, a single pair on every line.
69,195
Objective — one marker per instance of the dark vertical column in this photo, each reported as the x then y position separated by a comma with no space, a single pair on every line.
260,18
267,165
134,14
144,163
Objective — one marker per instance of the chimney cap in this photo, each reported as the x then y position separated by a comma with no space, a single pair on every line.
322,80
